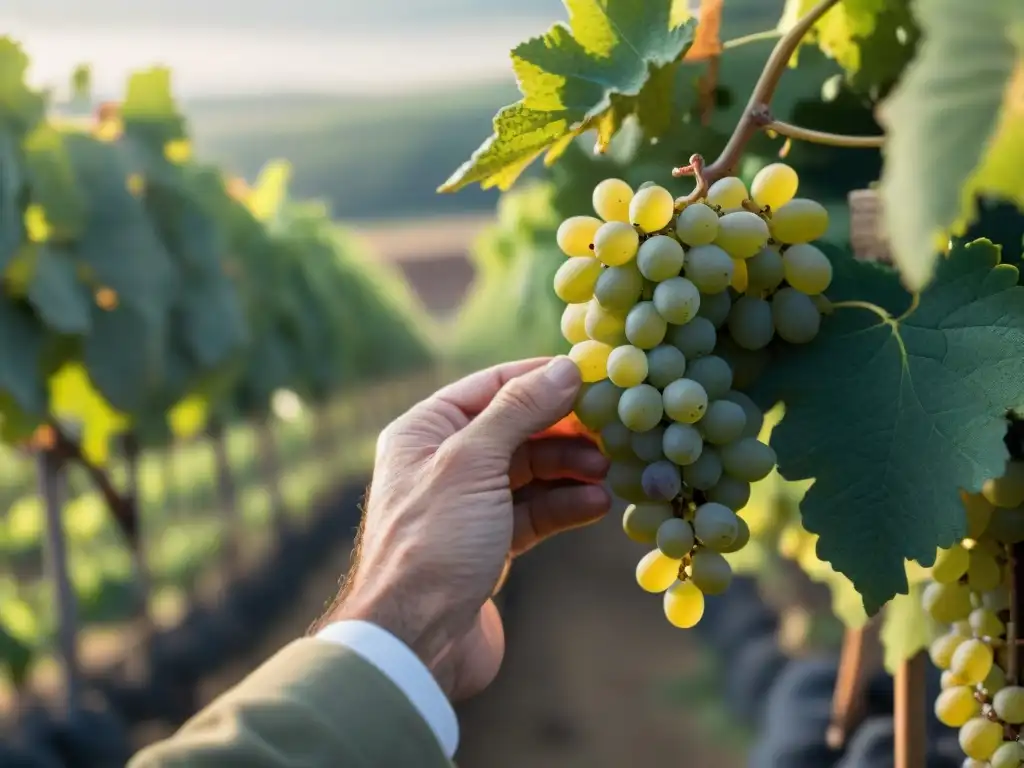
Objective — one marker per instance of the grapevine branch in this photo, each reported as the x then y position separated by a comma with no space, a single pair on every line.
122,507
757,116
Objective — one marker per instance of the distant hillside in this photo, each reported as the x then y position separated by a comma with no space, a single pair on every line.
372,158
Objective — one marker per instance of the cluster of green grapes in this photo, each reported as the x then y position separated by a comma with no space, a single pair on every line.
670,313
970,593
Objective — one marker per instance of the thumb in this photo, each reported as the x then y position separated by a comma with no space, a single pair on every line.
528,404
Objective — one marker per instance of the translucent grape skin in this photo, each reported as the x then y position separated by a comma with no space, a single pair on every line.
661,481
677,300
765,271
647,446
597,404
799,221
727,193
604,325
576,279
685,401
972,661
624,480
591,357
710,572
660,257
730,492
950,564
742,538
706,472
796,318
1009,704
716,525
641,522
675,538
712,373
652,208
627,366
645,328
1009,754
980,738
616,243
619,288
709,268
774,185
807,268
611,200
755,417
947,603
640,408
715,307
575,235
616,439
697,224
665,364
750,323
955,706
696,338
748,459
723,422
682,444
574,319
655,573
742,234
684,605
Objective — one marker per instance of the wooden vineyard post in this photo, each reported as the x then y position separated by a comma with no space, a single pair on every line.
227,502
270,466
51,476
910,715
858,659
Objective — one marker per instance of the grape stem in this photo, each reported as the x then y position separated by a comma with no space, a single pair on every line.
768,123
754,116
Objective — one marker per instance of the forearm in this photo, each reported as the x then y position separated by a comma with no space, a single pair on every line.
321,702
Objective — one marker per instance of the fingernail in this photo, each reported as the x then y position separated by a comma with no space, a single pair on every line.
594,463
562,373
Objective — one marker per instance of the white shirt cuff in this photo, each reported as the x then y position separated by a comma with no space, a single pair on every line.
397,661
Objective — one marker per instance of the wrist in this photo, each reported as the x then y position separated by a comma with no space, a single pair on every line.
412,615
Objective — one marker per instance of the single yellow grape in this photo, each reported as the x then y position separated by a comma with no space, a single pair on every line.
697,224
727,193
576,278
942,648
611,200
591,357
950,680
806,268
950,564
652,208
984,623
980,737
684,604
799,221
1009,704
972,660
947,603
575,235
741,234
627,366
955,706
616,243
1006,491
774,185
1010,754
655,573
740,276
574,318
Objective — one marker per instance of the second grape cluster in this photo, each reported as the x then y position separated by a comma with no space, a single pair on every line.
670,311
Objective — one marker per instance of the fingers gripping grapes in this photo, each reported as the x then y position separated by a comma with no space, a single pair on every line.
663,305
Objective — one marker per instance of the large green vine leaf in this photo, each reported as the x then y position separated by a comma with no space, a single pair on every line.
891,414
615,59
969,66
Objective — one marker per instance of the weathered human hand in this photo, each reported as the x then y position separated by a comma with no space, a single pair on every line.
463,482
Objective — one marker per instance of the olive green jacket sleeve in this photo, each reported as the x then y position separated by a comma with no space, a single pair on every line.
312,705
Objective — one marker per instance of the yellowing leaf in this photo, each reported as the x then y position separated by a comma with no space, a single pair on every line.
906,628
615,59
271,189
188,417
36,226
178,151
74,398
707,41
